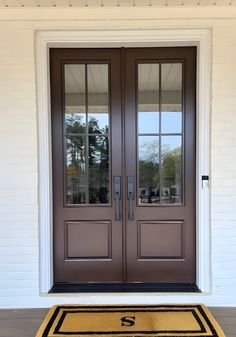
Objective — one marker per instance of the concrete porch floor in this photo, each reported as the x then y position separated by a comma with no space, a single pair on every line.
25,322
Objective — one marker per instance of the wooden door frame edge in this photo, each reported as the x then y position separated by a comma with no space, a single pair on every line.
139,37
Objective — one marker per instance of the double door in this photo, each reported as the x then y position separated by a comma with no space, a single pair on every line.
123,144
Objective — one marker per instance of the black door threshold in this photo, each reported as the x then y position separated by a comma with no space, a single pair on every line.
123,287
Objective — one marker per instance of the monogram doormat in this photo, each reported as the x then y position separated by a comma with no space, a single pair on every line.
130,321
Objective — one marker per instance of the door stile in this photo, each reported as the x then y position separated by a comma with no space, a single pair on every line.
123,156
130,155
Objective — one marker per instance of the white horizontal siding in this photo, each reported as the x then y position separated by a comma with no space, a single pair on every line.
18,172
223,162
19,259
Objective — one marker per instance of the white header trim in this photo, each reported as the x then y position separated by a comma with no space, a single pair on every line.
93,16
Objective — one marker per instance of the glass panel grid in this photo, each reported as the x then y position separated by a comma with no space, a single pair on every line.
148,98
171,98
160,181
87,130
171,169
171,127
148,169
148,133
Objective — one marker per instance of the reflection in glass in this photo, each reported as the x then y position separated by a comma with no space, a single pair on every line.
86,114
98,100
98,169
171,98
75,123
148,122
171,122
148,98
98,123
76,170
160,154
171,169
74,97
148,169
87,173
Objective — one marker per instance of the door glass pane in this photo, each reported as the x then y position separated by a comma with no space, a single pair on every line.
75,116
148,169
76,177
98,98
98,169
87,134
159,133
171,169
171,98
148,98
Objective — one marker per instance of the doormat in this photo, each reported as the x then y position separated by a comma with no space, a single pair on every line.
130,321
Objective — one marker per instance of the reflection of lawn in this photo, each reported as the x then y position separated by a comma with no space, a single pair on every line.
145,199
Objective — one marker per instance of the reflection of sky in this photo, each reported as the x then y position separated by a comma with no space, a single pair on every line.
149,146
169,143
102,119
149,122
171,122
76,117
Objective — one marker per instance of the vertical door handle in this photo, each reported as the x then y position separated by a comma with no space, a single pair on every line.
117,197
130,196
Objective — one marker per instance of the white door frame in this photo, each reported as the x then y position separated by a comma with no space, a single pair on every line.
141,37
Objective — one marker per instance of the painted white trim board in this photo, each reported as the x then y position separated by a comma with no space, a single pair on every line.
142,37
94,15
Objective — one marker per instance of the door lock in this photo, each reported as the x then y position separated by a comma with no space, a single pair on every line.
117,197
130,196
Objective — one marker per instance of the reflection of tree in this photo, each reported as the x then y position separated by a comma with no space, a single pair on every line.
75,144
94,147
149,171
98,164
171,167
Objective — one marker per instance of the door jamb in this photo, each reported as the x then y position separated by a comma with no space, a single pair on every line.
105,38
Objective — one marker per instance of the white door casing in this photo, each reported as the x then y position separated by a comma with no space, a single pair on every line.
103,38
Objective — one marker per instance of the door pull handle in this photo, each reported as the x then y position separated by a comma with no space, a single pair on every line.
117,197
130,196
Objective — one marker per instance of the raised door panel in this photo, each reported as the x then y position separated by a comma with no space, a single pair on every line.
160,240
88,240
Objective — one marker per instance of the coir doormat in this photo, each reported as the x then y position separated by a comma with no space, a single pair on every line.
130,321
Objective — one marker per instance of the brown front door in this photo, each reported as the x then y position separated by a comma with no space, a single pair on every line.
123,144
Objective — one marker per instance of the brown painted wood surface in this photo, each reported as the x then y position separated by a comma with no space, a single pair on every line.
91,244
25,322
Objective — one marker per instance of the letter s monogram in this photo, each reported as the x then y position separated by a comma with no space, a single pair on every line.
127,321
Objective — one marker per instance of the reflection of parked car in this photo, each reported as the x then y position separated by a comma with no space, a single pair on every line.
150,195
171,194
